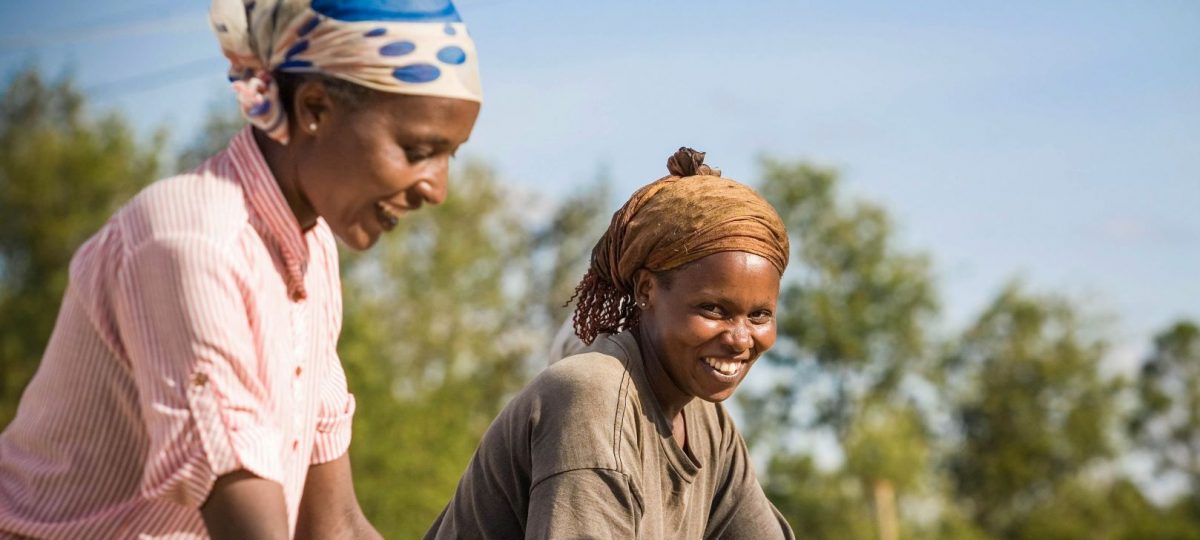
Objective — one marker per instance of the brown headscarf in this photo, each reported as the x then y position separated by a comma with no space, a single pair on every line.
685,216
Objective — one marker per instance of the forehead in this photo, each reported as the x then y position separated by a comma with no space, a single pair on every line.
449,120
733,274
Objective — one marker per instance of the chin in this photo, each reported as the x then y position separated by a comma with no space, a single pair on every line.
357,240
718,397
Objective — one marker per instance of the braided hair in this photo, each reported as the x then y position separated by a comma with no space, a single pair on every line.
603,307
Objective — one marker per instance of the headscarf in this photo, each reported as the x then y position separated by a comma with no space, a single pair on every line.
680,218
400,46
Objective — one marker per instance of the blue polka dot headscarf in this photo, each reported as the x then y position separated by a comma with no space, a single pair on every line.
400,46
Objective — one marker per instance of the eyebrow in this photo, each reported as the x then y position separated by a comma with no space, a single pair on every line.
435,140
722,299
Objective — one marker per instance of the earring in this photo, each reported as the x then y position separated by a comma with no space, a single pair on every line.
312,127
642,305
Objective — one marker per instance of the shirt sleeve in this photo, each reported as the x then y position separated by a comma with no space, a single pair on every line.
181,307
740,508
584,503
334,415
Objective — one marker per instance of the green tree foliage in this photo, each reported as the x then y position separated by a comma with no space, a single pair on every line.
1094,510
1167,421
1031,407
62,174
818,504
887,443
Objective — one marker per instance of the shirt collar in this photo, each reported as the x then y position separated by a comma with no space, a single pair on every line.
268,205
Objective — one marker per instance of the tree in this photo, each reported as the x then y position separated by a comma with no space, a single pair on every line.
62,174
1086,509
1166,423
886,449
818,504
1031,407
853,313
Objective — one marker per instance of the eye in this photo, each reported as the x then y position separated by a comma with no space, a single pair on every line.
415,154
711,310
761,316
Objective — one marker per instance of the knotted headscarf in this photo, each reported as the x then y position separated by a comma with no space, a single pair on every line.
685,216
401,46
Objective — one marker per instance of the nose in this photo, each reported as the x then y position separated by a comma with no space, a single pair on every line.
434,184
737,336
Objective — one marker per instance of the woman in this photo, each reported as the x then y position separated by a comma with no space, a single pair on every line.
191,386
629,440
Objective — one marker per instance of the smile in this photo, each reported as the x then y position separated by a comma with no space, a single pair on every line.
389,214
728,368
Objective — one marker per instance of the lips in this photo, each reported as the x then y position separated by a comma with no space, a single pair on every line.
389,214
724,367
726,371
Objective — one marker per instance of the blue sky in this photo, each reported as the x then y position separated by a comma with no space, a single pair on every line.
1056,143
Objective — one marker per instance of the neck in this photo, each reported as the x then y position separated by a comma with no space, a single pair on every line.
282,163
666,392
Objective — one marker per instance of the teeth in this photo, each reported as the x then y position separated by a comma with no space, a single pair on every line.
391,214
726,368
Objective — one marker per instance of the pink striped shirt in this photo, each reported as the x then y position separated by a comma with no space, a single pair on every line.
197,337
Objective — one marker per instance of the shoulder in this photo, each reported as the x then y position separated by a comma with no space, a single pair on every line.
593,395
189,216
582,379
603,368
207,202
575,393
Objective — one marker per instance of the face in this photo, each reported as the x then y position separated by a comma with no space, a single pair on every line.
710,321
364,168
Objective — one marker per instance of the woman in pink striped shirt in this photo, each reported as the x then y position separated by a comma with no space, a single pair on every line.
191,387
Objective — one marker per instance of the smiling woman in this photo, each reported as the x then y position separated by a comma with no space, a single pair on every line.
192,385
678,304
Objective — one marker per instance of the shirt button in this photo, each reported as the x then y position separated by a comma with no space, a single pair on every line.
295,444
199,379
299,370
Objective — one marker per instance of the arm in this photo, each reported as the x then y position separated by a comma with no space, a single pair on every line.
242,505
329,508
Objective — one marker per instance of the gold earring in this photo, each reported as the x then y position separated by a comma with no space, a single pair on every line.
312,127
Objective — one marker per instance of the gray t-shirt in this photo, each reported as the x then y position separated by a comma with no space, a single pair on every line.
585,451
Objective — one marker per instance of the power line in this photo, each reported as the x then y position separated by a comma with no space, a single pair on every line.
172,23
129,13
201,67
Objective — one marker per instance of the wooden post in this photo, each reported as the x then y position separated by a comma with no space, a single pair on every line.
884,496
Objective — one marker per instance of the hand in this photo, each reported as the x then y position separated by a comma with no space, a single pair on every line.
329,508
